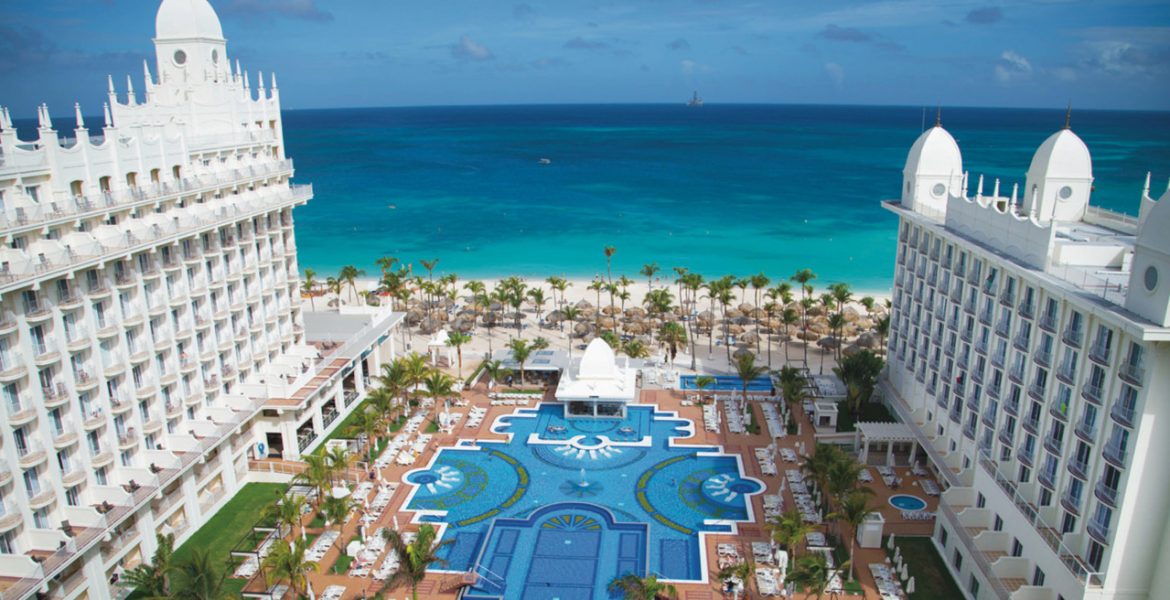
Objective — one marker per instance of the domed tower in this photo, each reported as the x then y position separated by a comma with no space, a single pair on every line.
1149,279
1060,179
933,173
189,43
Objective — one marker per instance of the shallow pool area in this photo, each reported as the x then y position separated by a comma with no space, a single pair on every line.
560,513
907,502
726,383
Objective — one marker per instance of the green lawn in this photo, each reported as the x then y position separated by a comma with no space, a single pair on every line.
931,577
230,525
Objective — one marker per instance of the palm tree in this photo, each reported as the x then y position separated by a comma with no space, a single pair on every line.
335,510
287,513
672,335
747,370
883,330
802,277
742,571
649,270
414,558
836,324
383,403
571,314
597,285
812,573
308,286
386,264
316,474
415,370
334,285
456,339
609,252
338,459
659,302
521,350
702,382
496,371
438,385
789,318
536,295
632,587
636,349
859,372
852,510
287,563
199,578
350,274
153,579
368,422
789,528
612,339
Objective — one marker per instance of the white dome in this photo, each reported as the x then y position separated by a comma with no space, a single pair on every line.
186,19
935,152
1064,156
598,362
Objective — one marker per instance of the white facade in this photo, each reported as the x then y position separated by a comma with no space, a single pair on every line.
1029,350
150,316
595,385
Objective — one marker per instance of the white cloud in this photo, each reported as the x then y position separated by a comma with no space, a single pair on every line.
469,49
1012,67
836,73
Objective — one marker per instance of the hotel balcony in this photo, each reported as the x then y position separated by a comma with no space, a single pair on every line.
1043,356
1115,455
36,312
1071,503
45,353
1031,424
20,412
1037,391
10,515
1047,478
30,455
1079,468
1006,436
1086,431
1105,493
55,394
72,209
94,419
1099,353
1098,531
65,436
1123,414
77,339
1093,393
1047,322
1133,373
105,243
1027,309
1073,336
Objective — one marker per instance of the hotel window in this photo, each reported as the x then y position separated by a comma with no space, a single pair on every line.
957,560
974,586
1038,578
99,475
998,525
71,496
1017,548
6,544
1096,553
980,500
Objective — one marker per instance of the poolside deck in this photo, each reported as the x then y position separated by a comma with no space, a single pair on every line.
446,586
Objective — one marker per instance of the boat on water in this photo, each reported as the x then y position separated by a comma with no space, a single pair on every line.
695,100
545,161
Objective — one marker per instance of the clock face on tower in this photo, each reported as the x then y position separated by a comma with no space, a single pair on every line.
180,57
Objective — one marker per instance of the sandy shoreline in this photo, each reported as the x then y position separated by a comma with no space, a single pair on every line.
706,360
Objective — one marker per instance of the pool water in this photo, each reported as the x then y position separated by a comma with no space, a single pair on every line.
907,502
546,515
726,383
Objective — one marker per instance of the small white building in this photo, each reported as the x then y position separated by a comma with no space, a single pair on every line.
595,385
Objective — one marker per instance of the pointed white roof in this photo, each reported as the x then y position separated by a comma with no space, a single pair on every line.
935,152
187,19
1063,155
1155,224
598,362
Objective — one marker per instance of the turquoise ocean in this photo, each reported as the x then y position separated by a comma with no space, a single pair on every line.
722,189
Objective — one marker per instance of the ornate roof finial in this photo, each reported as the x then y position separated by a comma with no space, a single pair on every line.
938,116
1068,116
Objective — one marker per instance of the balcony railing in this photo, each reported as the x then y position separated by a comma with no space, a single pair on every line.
1078,467
1098,530
1115,454
1073,336
1133,373
1106,493
1027,309
1123,413
1048,321
27,268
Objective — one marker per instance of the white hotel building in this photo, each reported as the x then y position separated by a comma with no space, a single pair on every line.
1030,350
151,329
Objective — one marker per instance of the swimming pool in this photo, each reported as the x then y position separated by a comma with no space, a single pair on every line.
907,502
565,506
726,383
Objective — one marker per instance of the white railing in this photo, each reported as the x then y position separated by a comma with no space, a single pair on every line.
128,242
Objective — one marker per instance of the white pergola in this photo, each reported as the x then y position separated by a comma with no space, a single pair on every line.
890,433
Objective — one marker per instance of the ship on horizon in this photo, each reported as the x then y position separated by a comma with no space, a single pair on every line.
695,100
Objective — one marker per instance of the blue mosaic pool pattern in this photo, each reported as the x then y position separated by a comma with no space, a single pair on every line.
727,383
520,512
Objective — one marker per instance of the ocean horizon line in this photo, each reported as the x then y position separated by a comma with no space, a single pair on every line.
707,104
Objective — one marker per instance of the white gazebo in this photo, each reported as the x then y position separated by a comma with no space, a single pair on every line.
437,345
889,434
595,385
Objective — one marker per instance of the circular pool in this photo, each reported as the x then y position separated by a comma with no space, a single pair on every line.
907,502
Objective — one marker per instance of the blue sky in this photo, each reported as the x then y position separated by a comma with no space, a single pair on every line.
343,53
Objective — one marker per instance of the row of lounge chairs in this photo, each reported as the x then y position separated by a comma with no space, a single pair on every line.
887,582
475,417
711,418
773,505
735,422
368,554
804,501
774,420
390,564
322,545
766,460
917,515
